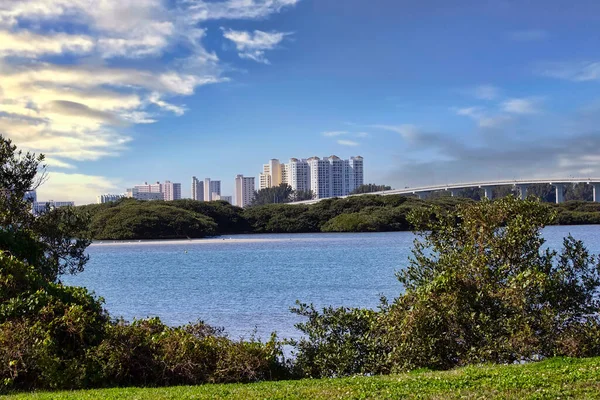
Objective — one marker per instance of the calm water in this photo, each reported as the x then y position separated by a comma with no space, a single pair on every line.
246,283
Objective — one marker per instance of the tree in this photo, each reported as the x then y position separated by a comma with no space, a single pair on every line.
302,195
276,194
55,242
480,287
370,188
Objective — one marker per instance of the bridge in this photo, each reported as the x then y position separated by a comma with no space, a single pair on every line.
487,186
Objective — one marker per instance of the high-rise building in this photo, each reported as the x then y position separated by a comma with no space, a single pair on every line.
211,187
355,173
244,190
326,177
107,198
158,191
227,199
40,207
134,193
320,177
298,174
272,175
172,191
197,189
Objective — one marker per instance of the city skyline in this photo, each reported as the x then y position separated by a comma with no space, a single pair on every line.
429,92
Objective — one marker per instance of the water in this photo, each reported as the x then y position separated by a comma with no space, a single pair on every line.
247,283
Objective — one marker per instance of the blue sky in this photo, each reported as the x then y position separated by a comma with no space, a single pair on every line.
117,92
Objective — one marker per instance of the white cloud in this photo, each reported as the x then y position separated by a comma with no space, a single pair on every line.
253,45
347,143
572,71
202,10
521,106
362,134
81,107
79,188
334,133
28,44
529,35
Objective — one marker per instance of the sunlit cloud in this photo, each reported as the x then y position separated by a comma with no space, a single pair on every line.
252,45
348,143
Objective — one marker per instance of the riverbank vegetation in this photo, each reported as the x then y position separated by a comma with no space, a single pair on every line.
130,219
479,288
557,378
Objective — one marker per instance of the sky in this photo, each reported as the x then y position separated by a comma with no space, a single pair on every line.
119,92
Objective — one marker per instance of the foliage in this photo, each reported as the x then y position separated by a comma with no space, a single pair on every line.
45,329
337,342
555,378
54,242
149,220
149,353
370,188
480,287
59,337
273,195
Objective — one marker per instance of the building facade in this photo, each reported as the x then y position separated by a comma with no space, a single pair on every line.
40,207
326,177
244,190
274,174
156,191
212,189
171,191
197,189
107,198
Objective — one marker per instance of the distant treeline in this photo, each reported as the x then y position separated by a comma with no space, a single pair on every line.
132,219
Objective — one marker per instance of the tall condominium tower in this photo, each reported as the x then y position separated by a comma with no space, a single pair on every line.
298,174
274,174
244,190
197,189
172,191
158,191
326,177
211,188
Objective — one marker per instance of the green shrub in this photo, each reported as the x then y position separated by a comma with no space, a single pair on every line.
45,329
337,342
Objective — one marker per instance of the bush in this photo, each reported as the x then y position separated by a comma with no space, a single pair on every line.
338,341
480,287
149,353
45,329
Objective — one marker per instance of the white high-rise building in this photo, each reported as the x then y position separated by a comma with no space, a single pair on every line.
197,189
210,188
108,198
326,177
354,173
244,190
298,174
320,177
172,191
158,191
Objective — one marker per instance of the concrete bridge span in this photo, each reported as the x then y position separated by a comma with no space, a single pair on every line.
488,186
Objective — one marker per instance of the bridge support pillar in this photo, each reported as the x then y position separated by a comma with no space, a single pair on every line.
489,194
454,192
422,195
522,191
560,192
596,187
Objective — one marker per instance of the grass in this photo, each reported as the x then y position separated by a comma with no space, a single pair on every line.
557,378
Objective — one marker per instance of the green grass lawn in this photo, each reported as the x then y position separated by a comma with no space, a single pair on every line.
555,378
